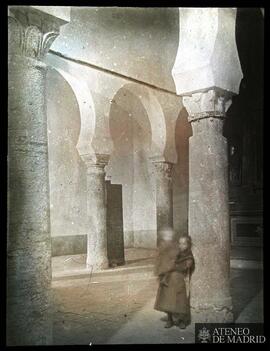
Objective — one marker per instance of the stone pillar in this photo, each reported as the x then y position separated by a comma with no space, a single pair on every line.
207,72
208,207
96,211
31,33
164,195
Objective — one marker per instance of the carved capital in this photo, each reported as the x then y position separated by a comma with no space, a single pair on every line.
31,32
212,103
164,169
95,163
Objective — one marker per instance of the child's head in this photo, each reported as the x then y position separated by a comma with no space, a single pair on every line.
167,234
184,243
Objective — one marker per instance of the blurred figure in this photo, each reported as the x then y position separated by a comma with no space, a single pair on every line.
174,266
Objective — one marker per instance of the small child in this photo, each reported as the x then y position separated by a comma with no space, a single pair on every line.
174,263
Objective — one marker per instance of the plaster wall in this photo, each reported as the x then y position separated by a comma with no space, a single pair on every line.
67,175
115,37
130,166
122,120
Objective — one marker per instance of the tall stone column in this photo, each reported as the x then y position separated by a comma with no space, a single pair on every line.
164,195
31,33
207,73
96,212
208,207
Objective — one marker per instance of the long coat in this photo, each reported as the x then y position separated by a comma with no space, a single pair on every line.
171,296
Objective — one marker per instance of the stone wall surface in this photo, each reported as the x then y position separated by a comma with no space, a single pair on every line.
67,170
113,37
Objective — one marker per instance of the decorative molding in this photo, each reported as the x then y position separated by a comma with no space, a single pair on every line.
157,158
29,41
31,32
211,104
97,161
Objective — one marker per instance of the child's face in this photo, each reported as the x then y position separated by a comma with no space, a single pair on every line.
183,244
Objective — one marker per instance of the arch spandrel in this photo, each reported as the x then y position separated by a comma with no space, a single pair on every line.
101,141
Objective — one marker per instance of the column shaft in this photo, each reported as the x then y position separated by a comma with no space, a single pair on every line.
96,212
29,245
207,82
29,304
209,223
208,220
164,200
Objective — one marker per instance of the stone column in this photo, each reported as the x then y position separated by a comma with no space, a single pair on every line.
208,207
31,33
96,211
164,195
207,72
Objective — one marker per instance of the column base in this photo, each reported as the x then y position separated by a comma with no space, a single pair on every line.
97,265
212,312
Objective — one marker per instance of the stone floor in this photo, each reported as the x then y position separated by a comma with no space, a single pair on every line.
73,265
116,307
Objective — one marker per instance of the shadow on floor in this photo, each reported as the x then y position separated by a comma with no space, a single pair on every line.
94,313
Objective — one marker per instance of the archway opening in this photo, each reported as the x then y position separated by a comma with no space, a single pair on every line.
130,166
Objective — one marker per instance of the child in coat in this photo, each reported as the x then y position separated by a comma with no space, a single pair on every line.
174,264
